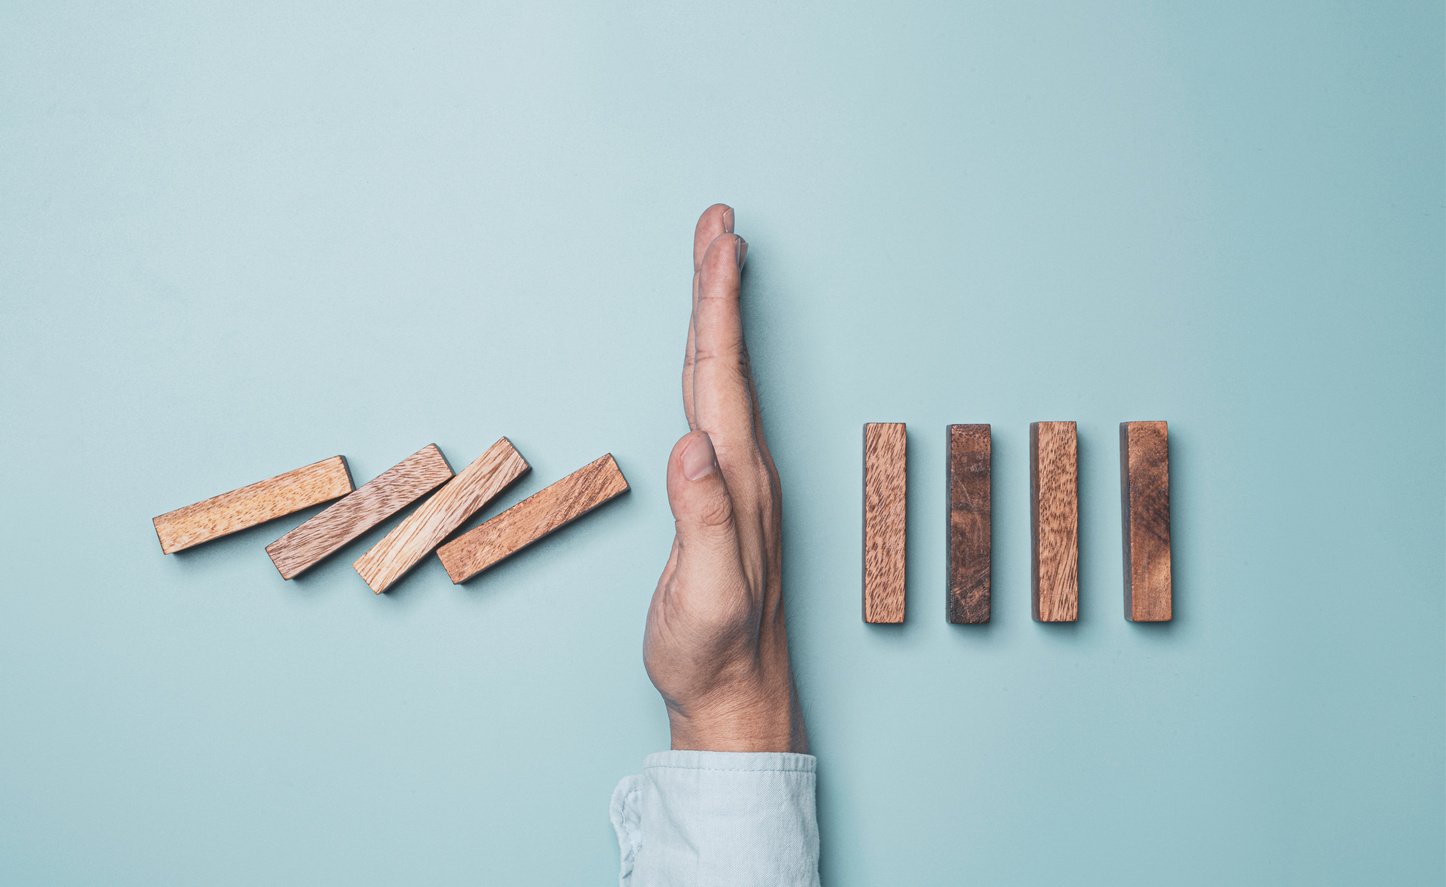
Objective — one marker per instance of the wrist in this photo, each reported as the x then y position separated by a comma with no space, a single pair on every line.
753,722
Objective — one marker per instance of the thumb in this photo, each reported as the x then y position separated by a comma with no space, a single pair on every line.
699,498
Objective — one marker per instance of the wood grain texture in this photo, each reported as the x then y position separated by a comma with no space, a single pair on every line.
438,517
373,502
885,520
546,511
254,504
1054,520
1145,509
969,524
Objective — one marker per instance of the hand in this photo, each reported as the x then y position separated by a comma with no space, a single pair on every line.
716,646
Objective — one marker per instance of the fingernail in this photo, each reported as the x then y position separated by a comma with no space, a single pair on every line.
742,247
728,220
698,458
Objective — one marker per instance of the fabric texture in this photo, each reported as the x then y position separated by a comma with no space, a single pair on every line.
706,819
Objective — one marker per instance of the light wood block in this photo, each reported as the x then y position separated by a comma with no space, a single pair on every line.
969,524
546,511
438,517
885,520
1054,520
252,505
373,502
1145,508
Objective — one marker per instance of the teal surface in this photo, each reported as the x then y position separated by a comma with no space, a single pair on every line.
240,238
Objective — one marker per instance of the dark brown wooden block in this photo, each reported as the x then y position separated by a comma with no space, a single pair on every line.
546,511
969,524
885,520
372,502
1145,509
1054,520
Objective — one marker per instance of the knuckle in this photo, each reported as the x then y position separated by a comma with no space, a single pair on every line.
761,471
716,512
724,360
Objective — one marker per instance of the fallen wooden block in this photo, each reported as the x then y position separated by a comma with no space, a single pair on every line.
373,502
1054,520
1145,509
544,512
969,524
885,520
252,505
438,517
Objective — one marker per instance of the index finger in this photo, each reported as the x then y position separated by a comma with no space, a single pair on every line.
722,382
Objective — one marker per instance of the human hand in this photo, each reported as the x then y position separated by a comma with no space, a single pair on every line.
716,645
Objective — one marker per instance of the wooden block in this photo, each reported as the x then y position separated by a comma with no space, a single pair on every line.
437,518
969,519
1054,520
544,512
885,520
1145,508
375,501
252,505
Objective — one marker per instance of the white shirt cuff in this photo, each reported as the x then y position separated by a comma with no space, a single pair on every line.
718,818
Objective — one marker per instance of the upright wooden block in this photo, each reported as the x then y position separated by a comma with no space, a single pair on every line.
885,520
1054,520
969,524
437,518
1145,508
252,505
375,501
544,512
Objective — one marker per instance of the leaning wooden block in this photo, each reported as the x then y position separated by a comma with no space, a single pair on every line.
969,520
544,512
1054,520
1145,508
437,518
252,505
885,520
373,502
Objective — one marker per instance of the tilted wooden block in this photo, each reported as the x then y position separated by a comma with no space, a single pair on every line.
438,517
1145,508
373,502
885,520
1054,520
252,505
969,524
544,512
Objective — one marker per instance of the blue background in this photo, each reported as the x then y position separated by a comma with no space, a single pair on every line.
241,238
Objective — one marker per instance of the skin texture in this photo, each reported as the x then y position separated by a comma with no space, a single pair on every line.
716,644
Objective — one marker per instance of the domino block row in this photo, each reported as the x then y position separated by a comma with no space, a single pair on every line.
452,501
1054,521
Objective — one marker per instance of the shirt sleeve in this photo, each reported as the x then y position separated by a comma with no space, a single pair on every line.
707,819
